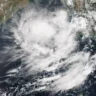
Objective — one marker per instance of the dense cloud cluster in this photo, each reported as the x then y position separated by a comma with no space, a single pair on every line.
47,50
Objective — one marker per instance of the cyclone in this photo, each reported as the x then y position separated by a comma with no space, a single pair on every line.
55,52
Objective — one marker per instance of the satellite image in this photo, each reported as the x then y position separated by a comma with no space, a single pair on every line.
47,47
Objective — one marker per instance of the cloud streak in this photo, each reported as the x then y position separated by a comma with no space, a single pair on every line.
48,44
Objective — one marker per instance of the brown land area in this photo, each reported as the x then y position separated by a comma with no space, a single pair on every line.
9,6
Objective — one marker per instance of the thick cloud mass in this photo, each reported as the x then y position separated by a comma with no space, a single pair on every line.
53,51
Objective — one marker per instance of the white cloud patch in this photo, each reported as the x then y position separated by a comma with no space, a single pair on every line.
46,38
